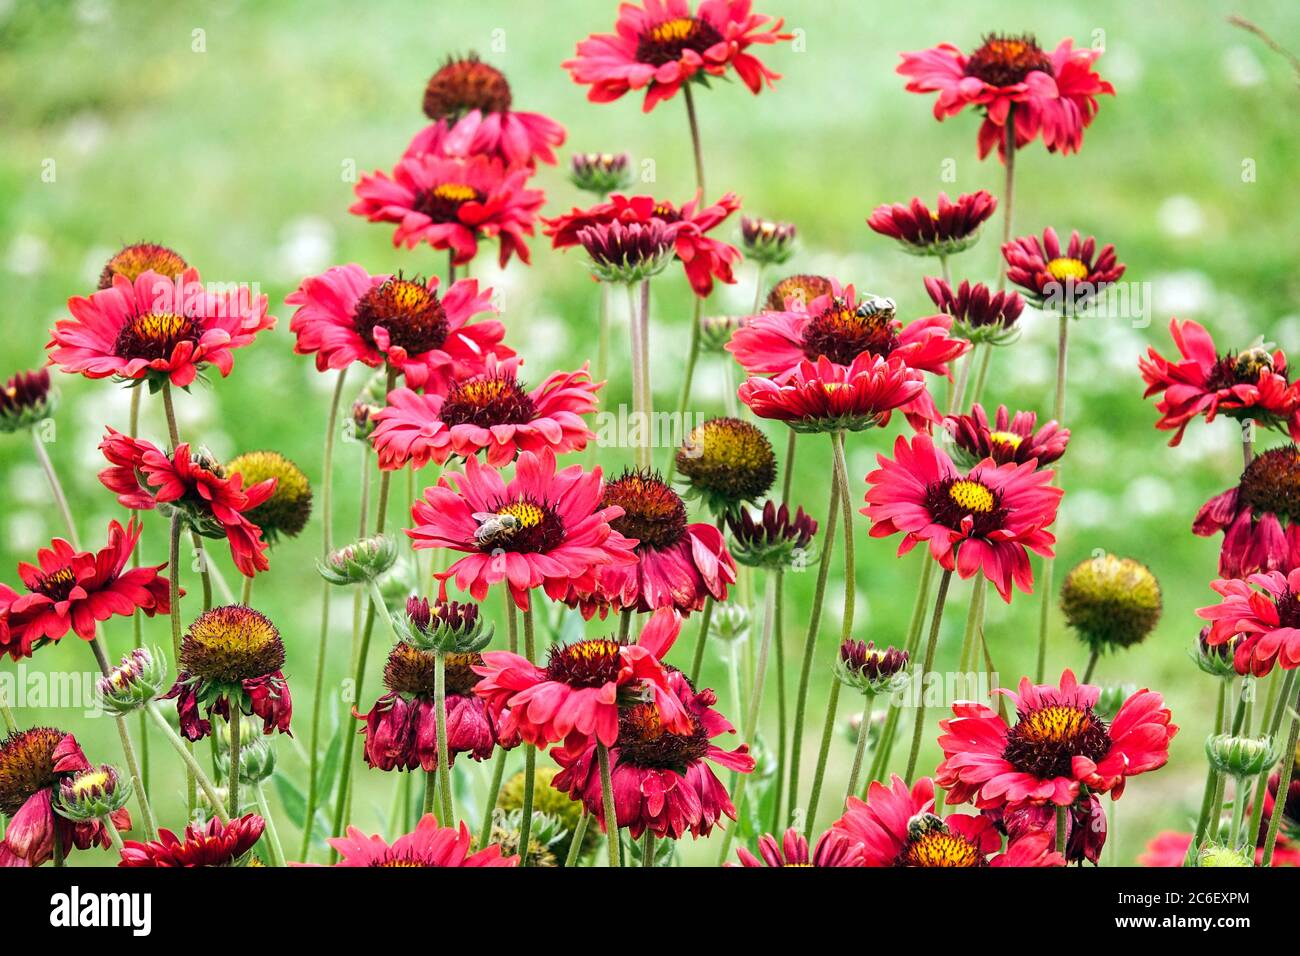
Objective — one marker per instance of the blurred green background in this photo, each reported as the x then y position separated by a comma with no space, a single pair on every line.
226,130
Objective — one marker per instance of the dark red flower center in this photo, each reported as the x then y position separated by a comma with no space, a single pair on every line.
930,842
522,526
803,288
1240,369
464,85
842,332
653,513
1288,610
26,765
643,741
590,663
410,671
1046,739
155,335
953,500
486,401
666,41
1007,60
407,310
1271,483
55,585
442,203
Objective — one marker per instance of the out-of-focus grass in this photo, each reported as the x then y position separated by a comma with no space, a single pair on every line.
227,131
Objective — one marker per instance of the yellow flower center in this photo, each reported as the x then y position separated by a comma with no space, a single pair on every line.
941,848
1065,269
89,782
1055,724
526,513
678,28
455,192
971,496
1010,439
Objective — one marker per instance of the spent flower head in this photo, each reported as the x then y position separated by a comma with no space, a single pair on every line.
726,462
1111,602
286,511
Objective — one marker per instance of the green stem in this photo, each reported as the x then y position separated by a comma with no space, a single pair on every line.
918,731
1211,778
430,794
60,499
1092,666
642,419
137,616
232,784
1274,711
205,574
697,661
688,374
575,842
494,790
128,751
864,731
810,643
1284,774
114,837
981,374
1058,412
607,804
695,138
272,834
1061,821
187,757
11,725
440,729
846,627
648,848
778,636
530,753
246,592
1008,189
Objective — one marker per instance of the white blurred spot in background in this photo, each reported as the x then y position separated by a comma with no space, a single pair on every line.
27,254
306,248
1241,67
1181,217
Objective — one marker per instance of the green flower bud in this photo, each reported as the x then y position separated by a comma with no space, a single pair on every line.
1240,756
359,562
1215,854
766,241
444,627
92,793
869,669
140,678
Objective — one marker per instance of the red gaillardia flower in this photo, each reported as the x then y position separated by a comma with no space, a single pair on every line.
703,258
1259,518
1252,385
898,827
1008,439
157,327
212,502
469,103
826,397
211,844
1054,94
952,227
71,589
452,203
1085,821
231,655
1061,279
678,565
1266,618
400,730
33,765
1057,746
659,45
428,845
984,521
841,328
543,529
833,849
662,780
575,700
491,413
347,315
978,315
135,260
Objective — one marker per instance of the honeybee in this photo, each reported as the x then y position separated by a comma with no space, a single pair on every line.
494,529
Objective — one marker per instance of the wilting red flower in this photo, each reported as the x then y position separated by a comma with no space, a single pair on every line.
212,502
428,845
400,730
1265,610
1064,279
1169,848
660,45
984,521
829,397
977,313
1247,386
575,699
838,327
469,103
1259,518
662,780
230,660
489,412
76,589
347,315
157,327
543,529
952,227
1053,94
33,764
833,849
1057,744
703,258
1008,439
1085,825
212,844
678,565
452,203
898,827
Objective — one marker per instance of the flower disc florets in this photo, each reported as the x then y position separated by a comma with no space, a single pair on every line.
727,462
1112,602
